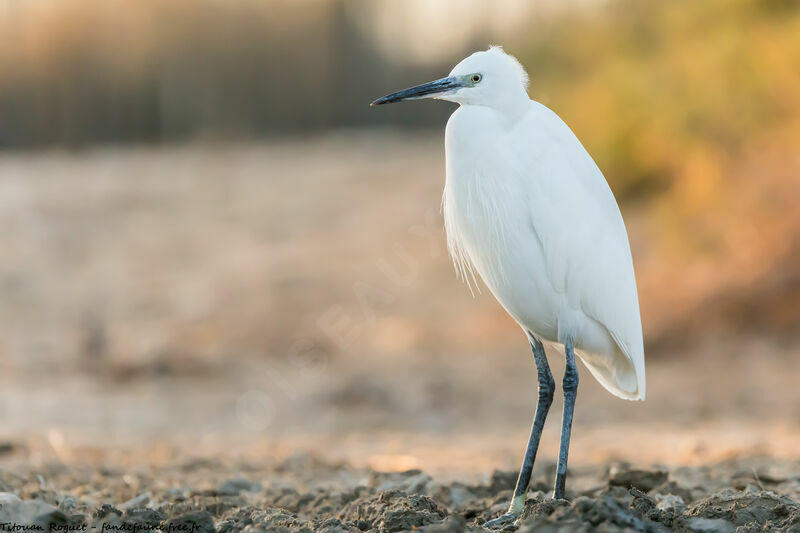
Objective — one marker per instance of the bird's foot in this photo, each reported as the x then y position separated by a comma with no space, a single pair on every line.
501,521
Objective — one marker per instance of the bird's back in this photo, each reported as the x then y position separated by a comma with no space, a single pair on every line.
527,207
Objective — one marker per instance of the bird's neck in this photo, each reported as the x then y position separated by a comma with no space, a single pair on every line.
511,107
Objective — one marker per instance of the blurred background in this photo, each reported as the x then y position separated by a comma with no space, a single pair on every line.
211,244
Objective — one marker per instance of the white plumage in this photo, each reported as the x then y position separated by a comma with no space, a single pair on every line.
528,210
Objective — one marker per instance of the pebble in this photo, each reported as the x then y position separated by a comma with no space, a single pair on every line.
139,501
669,502
709,525
234,486
29,512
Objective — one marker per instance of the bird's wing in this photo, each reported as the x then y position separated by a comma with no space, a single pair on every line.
576,218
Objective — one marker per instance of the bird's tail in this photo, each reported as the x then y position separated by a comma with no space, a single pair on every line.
617,373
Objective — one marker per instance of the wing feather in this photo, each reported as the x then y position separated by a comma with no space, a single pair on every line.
586,247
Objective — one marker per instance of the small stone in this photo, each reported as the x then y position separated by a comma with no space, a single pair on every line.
709,525
67,504
48,516
139,501
31,513
234,486
669,502
8,498
177,494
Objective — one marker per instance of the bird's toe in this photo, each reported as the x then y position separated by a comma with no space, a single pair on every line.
501,521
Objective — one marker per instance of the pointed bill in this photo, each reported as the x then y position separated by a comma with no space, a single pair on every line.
426,90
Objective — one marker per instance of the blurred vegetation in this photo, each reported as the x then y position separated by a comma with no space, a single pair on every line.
657,89
660,92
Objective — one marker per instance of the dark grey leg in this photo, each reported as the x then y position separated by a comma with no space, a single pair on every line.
570,386
546,389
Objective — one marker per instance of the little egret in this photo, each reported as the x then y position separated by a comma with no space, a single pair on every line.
527,208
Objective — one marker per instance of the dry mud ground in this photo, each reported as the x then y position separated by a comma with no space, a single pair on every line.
305,494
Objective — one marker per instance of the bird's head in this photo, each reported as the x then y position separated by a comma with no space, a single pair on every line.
490,78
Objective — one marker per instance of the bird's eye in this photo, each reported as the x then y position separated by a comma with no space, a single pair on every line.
476,78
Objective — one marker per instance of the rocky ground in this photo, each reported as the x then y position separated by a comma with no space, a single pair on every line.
305,494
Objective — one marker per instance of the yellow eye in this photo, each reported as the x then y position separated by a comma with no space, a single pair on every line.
476,78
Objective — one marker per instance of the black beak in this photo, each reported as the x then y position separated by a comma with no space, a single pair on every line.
426,90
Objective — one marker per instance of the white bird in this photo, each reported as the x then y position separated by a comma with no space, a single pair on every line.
527,208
